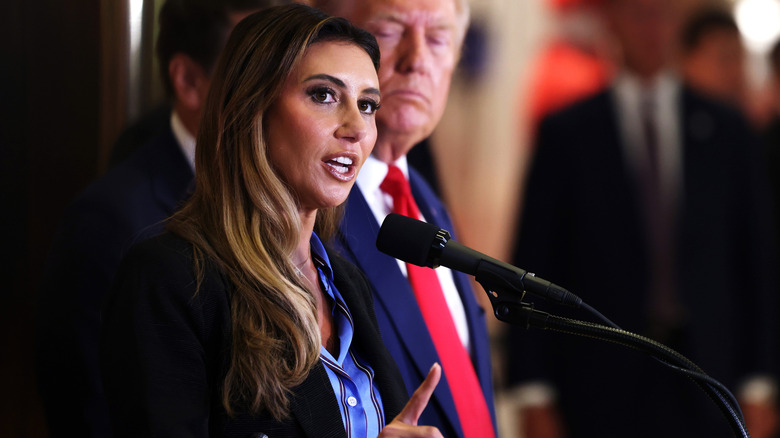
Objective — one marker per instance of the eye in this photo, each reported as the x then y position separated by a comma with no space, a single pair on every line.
368,106
439,38
322,95
387,31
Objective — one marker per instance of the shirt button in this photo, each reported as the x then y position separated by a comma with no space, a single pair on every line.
352,401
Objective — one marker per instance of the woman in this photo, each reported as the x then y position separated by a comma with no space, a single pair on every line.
238,322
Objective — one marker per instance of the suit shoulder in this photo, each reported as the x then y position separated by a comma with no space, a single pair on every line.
431,206
418,182
161,273
128,198
123,188
114,187
695,102
165,254
580,112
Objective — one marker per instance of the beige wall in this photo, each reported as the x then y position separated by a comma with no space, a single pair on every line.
479,145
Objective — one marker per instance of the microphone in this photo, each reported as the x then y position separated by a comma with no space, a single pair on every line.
423,244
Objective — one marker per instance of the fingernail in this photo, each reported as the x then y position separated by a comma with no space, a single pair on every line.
433,366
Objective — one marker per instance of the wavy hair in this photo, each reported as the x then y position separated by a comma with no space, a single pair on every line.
244,217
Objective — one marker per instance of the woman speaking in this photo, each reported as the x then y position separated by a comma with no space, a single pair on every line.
237,322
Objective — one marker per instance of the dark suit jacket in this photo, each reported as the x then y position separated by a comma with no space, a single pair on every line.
128,204
582,228
400,320
166,347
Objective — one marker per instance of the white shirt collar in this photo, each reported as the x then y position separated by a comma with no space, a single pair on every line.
629,89
185,139
374,172
628,92
370,178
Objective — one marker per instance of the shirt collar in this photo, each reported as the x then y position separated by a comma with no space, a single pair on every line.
184,137
320,256
630,88
341,315
374,171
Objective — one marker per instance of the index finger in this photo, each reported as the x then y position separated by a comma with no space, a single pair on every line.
419,400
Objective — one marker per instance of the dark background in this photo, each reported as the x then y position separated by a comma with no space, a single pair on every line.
52,144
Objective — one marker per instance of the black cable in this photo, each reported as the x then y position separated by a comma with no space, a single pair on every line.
599,315
525,315
637,342
632,340
710,381
693,371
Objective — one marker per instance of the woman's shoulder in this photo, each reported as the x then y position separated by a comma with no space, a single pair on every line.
168,261
160,282
165,247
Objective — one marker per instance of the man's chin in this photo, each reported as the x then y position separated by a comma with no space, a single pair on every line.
407,120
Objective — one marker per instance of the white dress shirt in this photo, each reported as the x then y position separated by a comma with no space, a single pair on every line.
185,138
664,90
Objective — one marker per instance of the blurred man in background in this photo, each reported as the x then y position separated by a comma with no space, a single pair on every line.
128,204
649,201
712,57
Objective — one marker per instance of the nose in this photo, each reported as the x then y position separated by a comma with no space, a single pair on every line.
353,126
413,52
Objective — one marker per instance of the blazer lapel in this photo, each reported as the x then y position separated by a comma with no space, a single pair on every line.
314,406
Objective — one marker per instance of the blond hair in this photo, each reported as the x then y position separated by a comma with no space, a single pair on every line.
244,217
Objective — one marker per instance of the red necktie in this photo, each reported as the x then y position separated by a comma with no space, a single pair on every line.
455,361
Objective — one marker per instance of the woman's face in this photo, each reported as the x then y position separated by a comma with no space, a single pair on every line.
322,127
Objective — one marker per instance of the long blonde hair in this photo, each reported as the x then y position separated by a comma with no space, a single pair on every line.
244,217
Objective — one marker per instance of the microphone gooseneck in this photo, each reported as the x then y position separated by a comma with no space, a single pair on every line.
423,244
427,245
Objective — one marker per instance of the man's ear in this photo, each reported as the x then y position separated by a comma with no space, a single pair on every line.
190,83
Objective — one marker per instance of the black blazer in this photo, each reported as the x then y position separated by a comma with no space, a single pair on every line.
127,204
165,350
582,228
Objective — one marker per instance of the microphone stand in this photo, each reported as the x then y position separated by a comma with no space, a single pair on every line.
508,306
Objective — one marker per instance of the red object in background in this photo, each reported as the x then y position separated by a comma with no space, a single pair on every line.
563,4
563,74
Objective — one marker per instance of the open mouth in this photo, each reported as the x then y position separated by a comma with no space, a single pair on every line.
341,167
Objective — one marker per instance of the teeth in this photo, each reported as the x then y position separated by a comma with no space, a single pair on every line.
346,161
339,169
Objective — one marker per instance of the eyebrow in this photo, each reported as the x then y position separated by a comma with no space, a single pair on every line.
339,83
440,24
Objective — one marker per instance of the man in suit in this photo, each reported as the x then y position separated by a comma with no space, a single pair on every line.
712,57
420,43
126,205
649,202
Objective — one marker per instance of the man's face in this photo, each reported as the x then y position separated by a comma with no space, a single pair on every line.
716,65
419,41
646,31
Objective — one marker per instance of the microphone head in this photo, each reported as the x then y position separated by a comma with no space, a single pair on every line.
411,240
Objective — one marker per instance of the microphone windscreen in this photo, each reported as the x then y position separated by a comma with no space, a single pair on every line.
406,239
